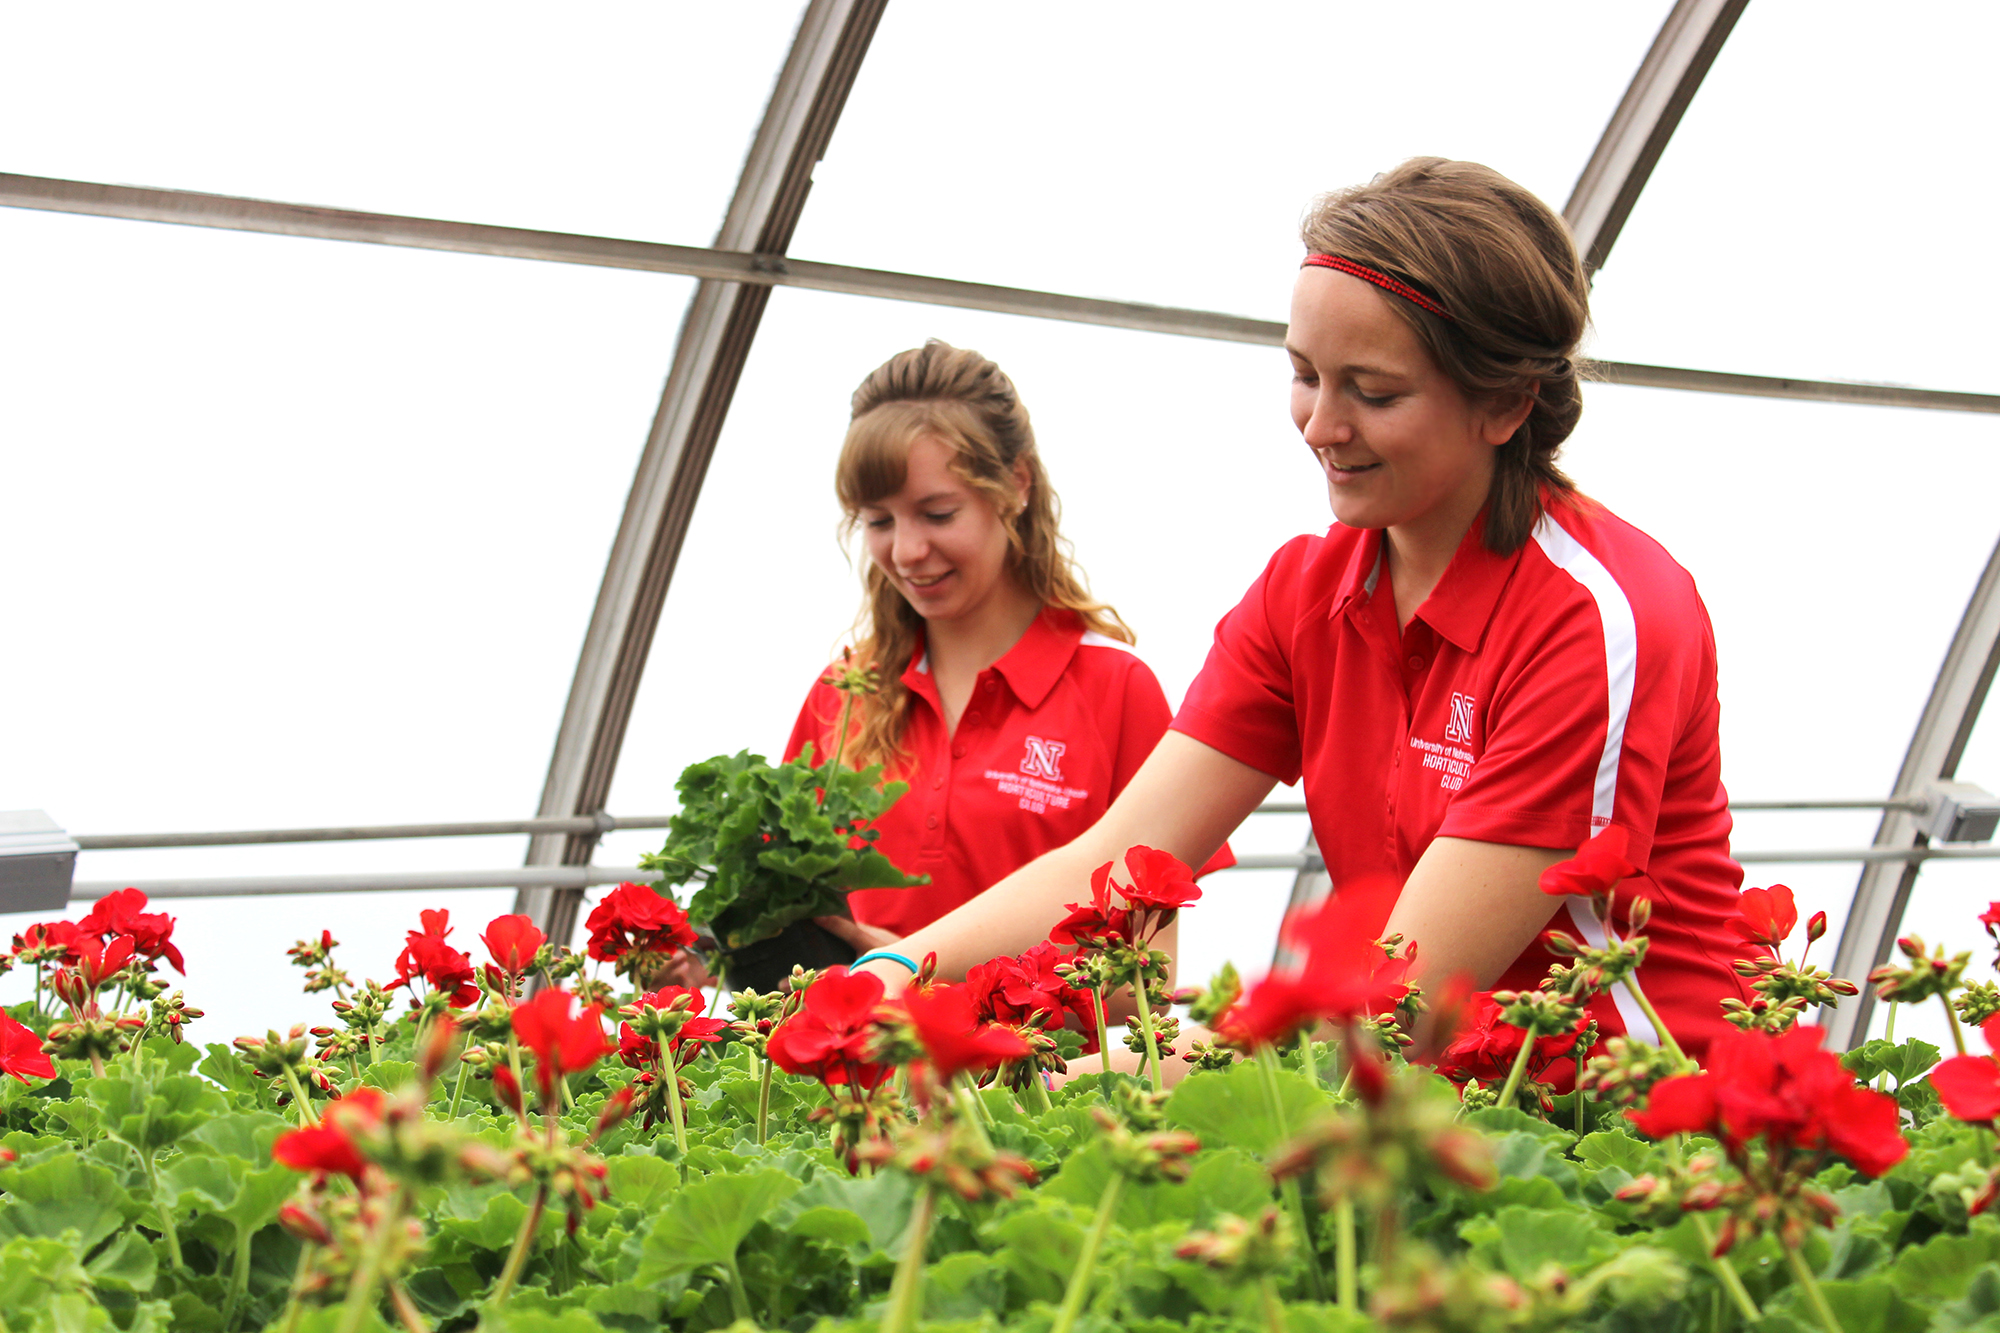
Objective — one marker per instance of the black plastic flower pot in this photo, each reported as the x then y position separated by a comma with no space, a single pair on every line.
761,966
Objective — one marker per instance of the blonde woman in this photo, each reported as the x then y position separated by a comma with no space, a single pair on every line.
1011,700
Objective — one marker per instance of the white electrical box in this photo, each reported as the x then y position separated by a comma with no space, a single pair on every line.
37,862
1961,812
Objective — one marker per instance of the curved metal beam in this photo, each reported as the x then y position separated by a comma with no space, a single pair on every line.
714,343
1645,119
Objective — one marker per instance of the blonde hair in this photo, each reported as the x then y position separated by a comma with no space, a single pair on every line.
967,403
1506,268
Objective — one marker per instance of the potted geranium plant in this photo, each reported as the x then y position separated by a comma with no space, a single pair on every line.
775,845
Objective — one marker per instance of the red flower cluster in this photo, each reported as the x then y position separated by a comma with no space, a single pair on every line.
563,1041
1486,1049
1337,973
633,916
831,1035
955,1039
1765,916
1969,1085
640,1052
55,941
123,913
1161,885
328,1147
1784,1090
21,1051
1014,990
513,940
425,954
1595,869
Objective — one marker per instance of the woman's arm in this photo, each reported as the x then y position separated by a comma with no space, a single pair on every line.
1472,907
1185,799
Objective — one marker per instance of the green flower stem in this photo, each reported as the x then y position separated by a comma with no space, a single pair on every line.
674,1112
1957,1031
1103,1033
1667,1041
294,1300
1726,1271
239,1280
568,1097
906,1292
306,1117
1266,1059
1079,1278
374,1043
1578,1088
1307,1065
457,1088
406,1309
1035,1092
514,1066
518,1256
1519,1069
1146,1027
97,1064
970,1104
1888,1035
361,1289
764,1103
1814,1296
1344,1282
739,1297
167,1230
1274,1310
38,991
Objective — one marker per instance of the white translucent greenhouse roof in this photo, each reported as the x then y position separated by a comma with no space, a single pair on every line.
309,533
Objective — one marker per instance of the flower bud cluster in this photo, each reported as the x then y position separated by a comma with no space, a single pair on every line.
1627,1071
1927,975
1243,1248
955,1152
1162,1154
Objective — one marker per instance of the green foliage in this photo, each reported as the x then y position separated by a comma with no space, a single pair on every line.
775,844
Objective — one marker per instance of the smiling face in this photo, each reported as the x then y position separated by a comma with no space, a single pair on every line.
1402,445
939,541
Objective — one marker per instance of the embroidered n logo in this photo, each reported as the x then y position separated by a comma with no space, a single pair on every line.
1044,759
1459,728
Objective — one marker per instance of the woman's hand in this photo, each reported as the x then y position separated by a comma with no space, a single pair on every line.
864,938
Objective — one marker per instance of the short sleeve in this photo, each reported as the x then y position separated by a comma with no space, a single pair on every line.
1144,716
1242,702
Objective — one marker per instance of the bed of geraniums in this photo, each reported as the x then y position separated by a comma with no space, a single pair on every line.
534,1140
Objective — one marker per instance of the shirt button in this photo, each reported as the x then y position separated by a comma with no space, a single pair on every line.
991,683
972,718
1416,663
958,751
931,822
937,782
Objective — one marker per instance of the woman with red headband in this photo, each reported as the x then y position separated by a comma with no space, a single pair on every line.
1475,668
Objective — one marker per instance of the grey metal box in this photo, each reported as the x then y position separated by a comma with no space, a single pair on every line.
37,862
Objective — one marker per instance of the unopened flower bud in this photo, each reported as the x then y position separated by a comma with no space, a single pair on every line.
1815,926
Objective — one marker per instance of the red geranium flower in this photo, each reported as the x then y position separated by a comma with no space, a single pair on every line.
954,1039
1161,881
698,1029
51,940
21,1052
1969,1085
1486,1048
425,954
1765,916
1098,923
329,1146
513,940
1014,990
633,916
830,1035
98,961
1336,971
1597,866
1990,918
1785,1090
563,1042
123,913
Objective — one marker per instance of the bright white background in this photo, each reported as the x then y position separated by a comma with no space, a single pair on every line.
303,533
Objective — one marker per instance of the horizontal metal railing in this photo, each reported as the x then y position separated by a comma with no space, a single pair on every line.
575,877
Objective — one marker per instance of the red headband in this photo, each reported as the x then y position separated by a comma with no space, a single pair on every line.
1380,279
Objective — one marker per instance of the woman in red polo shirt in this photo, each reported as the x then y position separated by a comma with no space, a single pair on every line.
1476,667
1010,699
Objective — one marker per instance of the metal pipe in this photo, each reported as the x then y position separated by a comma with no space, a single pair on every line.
515,877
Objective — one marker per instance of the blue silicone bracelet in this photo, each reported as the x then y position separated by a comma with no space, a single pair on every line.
893,957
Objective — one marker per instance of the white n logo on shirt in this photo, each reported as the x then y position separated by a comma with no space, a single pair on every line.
1459,728
1043,759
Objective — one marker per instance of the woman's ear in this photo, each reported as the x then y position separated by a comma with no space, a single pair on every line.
1024,482
1506,412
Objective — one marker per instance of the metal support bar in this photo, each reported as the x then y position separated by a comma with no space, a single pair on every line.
1935,748
573,878
714,343
769,270
592,824
1646,118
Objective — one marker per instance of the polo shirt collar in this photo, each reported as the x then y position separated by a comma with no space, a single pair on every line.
1031,667
1461,606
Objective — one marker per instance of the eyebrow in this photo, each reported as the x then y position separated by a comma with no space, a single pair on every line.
1351,369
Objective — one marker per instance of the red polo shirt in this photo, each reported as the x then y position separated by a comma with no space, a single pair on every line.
1533,699
1053,732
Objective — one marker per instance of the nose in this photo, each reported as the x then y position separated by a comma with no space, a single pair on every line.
1326,424
910,547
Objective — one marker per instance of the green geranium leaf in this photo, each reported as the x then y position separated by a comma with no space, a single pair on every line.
964,1286
153,1116
1230,1107
126,1264
487,1217
640,1182
513,1319
1942,1268
1039,1246
1871,1303
708,1219
223,1065
245,1134
882,1204
1978,1308
1903,1061
1519,1241
1616,1148
66,1194
1229,1181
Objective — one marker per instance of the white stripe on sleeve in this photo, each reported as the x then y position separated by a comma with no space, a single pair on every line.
1621,652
